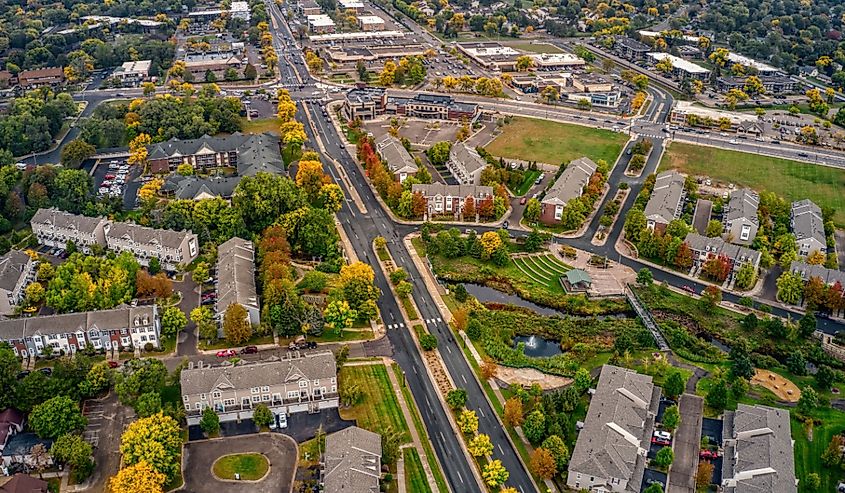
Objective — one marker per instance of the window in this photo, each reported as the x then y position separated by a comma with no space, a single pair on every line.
254,390
334,388
216,394
292,394
265,398
202,396
316,382
185,398
333,379
197,405
303,383
229,402
265,389
187,407
256,398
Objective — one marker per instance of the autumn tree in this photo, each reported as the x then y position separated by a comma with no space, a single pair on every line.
468,421
138,149
156,440
339,316
204,319
480,445
704,475
236,326
543,464
513,412
560,452
494,473
75,152
173,320
137,478
310,178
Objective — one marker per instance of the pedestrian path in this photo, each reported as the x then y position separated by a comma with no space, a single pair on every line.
395,326
649,322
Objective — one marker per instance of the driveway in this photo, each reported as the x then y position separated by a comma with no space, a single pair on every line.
199,457
301,426
187,343
686,445
106,421
712,428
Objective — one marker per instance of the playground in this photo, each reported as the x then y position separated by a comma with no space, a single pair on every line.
784,389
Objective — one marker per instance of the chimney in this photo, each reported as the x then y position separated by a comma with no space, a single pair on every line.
190,365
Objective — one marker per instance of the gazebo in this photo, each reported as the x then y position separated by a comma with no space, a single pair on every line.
576,280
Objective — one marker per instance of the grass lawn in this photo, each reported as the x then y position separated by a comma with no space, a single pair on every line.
224,344
792,180
414,474
249,466
808,453
378,407
260,125
532,139
529,179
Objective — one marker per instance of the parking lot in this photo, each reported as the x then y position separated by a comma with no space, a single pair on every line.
116,178
106,422
301,426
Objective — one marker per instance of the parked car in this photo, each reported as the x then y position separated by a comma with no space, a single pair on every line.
109,176
708,454
663,435
660,441
113,364
523,200
23,374
249,350
226,353
47,371
273,423
283,420
689,289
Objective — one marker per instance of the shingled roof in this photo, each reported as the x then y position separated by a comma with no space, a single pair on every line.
666,197
352,461
61,219
571,182
236,274
399,160
12,267
144,235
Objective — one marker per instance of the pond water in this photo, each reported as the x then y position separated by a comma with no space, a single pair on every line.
486,294
537,347
717,344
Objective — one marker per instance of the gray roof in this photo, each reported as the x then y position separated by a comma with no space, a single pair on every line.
145,235
433,189
62,219
177,147
260,152
192,187
314,366
467,157
255,152
362,95
807,221
13,265
22,443
758,451
571,182
743,205
618,427
115,319
828,276
633,44
236,274
666,197
399,160
718,246
352,461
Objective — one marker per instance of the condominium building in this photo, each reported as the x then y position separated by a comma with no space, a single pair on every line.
667,200
248,153
569,185
41,77
465,164
236,279
17,270
294,384
398,159
704,249
740,217
681,68
352,461
809,271
450,199
320,23
808,227
170,247
54,228
114,329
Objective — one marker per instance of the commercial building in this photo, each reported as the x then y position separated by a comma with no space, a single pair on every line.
55,228
17,270
759,68
248,153
320,23
491,55
596,89
684,39
465,164
370,23
808,271
360,36
808,227
569,185
367,103
450,199
236,280
379,50
610,454
667,200
758,450
42,77
398,159
171,248
297,383
740,217
132,73
218,63
557,61
364,103
690,114
704,249
352,461
631,49
680,67
115,329
309,7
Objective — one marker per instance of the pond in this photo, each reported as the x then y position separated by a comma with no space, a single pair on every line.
486,294
537,347
717,343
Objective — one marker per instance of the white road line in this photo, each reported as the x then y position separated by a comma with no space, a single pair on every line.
464,379
481,412
520,489
442,438
415,369
439,319
449,349
501,450
462,478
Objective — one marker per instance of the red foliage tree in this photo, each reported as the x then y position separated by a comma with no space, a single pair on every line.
683,258
418,205
485,207
469,208
718,268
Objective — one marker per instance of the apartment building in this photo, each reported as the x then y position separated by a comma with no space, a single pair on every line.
808,227
569,185
465,164
54,228
42,77
631,49
309,7
758,450
370,23
667,200
236,279
294,384
320,24
352,461
450,199
681,68
248,153
114,329
17,270
773,84
704,249
610,454
808,271
740,217
398,159
171,248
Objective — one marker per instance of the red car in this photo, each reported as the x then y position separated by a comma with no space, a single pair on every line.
689,289
708,454
660,441
226,353
113,364
522,201
109,176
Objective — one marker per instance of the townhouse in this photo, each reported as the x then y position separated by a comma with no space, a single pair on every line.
450,199
610,454
808,227
740,217
54,228
758,450
465,164
197,188
808,271
42,77
17,270
398,159
704,249
248,153
236,280
667,200
119,328
352,461
569,185
297,383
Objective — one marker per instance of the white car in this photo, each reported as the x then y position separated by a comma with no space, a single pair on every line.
663,435
273,423
283,420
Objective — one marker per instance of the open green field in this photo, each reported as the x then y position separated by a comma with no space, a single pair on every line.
549,142
414,474
378,408
792,180
249,466
260,125
808,453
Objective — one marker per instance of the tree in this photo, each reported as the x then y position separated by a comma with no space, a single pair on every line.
137,478
310,178
704,475
456,398
173,320
72,450
339,316
664,457
488,369
807,324
210,421
438,153
262,416
56,417
75,152
34,294
480,445
645,277
825,376
390,441
138,149
468,421
236,327
790,287
560,452
494,473
535,426
717,396
654,488
428,342
543,464
532,210
711,296
204,320
490,243
808,401
671,418
513,412
99,379
746,276
675,384
156,440
813,481
148,404
714,229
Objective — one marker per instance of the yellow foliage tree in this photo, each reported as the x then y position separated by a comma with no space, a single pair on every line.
490,242
138,478
480,446
150,189
357,270
138,149
468,421
310,177
156,440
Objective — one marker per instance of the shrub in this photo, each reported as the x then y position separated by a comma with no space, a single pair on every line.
428,342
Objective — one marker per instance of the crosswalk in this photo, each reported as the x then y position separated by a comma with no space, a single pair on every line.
395,326
431,321
428,321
